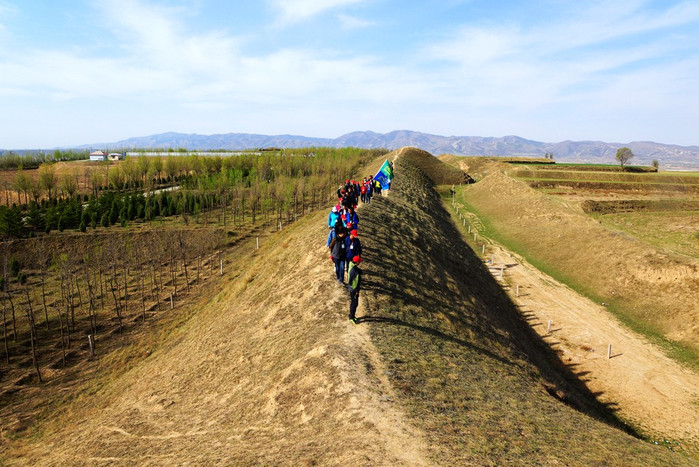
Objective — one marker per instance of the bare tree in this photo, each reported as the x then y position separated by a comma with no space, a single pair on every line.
32,333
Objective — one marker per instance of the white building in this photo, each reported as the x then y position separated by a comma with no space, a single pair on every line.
98,156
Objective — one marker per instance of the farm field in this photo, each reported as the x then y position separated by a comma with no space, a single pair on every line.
660,208
570,234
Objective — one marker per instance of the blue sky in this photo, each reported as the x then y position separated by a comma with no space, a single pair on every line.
83,71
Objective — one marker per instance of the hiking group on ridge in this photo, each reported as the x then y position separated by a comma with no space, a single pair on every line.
343,236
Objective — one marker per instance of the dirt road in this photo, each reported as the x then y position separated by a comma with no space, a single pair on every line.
649,390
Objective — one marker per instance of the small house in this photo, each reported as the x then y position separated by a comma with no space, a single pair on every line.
116,156
98,156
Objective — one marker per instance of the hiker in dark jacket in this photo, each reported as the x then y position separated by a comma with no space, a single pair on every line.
354,284
340,226
338,253
354,247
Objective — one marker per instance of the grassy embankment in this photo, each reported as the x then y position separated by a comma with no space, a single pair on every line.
468,369
630,275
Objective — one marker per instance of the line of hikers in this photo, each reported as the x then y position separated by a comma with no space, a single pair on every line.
343,238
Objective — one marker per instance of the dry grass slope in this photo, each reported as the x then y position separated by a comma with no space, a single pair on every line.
436,170
268,371
467,368
632,277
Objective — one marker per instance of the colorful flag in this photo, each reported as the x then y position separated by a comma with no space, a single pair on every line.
384,175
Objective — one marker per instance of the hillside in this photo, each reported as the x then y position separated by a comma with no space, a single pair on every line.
267,370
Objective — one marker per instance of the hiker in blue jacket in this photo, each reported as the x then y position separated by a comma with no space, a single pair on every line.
354,284
332,218
331,235
353,218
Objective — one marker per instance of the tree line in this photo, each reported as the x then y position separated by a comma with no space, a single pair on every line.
239,188
32,160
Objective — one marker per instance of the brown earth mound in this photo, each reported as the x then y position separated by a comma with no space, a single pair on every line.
436,170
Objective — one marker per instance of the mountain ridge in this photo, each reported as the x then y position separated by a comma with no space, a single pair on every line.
669,156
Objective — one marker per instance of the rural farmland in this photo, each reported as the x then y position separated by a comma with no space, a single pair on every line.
211,328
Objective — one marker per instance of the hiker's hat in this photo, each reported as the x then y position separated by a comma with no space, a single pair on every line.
354,233
356,259
334,208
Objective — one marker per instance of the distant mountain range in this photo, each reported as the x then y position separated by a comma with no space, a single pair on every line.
669,156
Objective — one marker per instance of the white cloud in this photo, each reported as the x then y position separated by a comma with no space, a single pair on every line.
293,11
6,11
582,58
350,22
159,59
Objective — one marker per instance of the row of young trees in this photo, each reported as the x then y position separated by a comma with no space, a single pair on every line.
32,160
236,187
50,298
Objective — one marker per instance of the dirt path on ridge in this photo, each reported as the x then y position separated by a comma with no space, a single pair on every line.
648,389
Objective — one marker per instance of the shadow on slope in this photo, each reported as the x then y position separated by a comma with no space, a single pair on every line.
466,365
